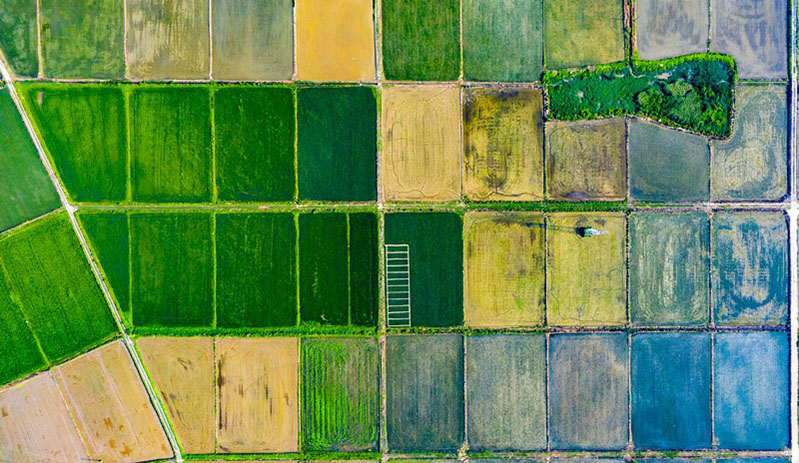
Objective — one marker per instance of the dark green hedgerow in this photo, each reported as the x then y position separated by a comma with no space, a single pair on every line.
694,92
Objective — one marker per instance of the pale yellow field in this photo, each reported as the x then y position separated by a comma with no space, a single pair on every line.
421,144
504,269
111,408
182,370
35,425
335,40
258,410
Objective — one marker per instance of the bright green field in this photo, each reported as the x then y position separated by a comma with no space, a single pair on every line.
19,354
18,37
107,233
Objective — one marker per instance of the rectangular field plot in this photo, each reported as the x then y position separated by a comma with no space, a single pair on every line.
19,351
503,137
59,295
668,265
253,40
172,269
109,240
507,392
585,274
170,144
751,397
83,39
258,395
256,283
752,163
671,391
25,188
424,384
588,391
19,36
582,32
669,28
183,374
168,39
750,268
110,406
504,269
340,397
84,129
586,160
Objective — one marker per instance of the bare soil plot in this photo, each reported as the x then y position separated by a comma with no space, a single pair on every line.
668,28
35,425
503,138
182,370
504,269
168,39
258,395
113,413
586,160
582,32
421,144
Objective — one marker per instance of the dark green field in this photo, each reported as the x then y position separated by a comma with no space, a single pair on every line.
324,268
364,269
254,139
340,398
337,143
19,354
172,269
420,40
256,282
170,144
18,36
52,278
84,130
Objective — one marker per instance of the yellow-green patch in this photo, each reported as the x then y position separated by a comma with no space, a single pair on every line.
582,32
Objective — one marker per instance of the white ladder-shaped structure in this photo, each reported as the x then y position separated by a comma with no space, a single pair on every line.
398,285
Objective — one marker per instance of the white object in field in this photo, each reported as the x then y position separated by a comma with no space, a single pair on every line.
398,285
588,231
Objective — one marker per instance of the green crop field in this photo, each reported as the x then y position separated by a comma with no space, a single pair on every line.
84,128
18,36
19,353
256,282
364,269
172,269
254,140
340,398
56,288
170,144
337,143
324,269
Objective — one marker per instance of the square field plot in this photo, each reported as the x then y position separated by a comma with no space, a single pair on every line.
256,277
170,144
84,129
340,396
751,394
503,41
253,39
168,39
335,40
172,269
750,268
588,391
421,156
504,269
669,261
83,39
337,144
109,239
667,165
671,391
19,36
435,259
503,133
669,28
586,160
582,32
424,392
420,40
755,34
507,392
585,274
752,164
19,352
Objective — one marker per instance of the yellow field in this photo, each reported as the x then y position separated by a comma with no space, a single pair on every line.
258,395
335,40
111,408
504,269
421,144
35,425
586,277
182,370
